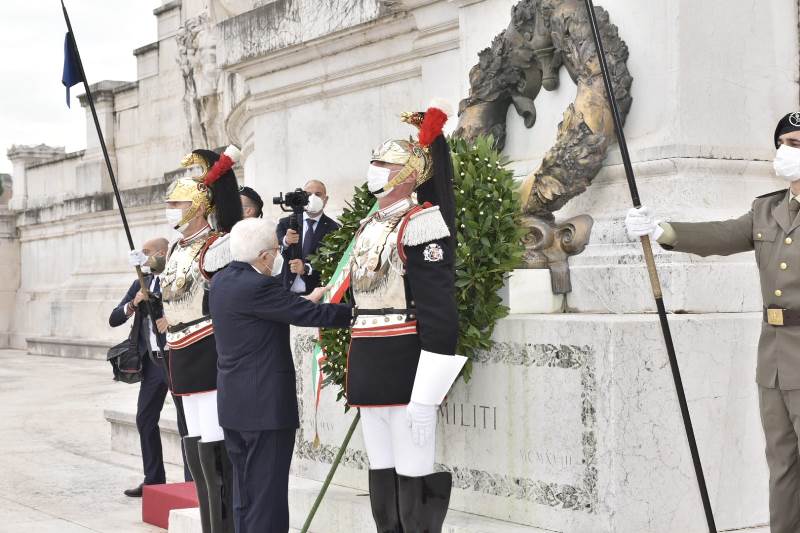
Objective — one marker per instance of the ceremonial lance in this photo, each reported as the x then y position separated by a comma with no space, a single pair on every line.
651,269
74,74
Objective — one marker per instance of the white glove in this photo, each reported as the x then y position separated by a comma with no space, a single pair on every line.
640,221
136,258
422,421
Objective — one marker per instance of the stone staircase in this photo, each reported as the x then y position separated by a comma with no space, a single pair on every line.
343,510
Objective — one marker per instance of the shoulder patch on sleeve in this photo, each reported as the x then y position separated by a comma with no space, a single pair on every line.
424,226
218,255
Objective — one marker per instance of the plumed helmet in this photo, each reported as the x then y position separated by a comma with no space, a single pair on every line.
429,155
214,193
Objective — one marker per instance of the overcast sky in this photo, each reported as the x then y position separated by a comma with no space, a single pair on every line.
33,109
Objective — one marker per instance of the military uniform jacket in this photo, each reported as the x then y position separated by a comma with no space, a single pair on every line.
192,355
768,229
402,281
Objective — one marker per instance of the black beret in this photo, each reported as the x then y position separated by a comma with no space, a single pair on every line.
791,122
253,195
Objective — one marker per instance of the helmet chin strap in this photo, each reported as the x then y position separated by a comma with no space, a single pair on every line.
401,176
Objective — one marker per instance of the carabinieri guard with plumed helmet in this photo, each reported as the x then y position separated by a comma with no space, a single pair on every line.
203,209
401,361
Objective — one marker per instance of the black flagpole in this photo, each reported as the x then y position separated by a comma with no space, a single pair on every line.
74,49
653,273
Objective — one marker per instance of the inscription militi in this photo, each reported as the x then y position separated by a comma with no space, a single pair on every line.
579,496
469,415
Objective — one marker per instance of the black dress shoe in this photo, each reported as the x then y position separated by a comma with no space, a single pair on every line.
135,493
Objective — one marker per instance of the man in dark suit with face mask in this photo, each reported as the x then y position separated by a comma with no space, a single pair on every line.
153,387
298,275
256,383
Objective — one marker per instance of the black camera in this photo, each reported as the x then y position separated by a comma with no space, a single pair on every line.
294,201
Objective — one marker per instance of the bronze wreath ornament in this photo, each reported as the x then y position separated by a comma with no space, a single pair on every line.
544,35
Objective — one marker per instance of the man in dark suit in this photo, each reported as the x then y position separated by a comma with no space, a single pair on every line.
256,389
153,387
298,275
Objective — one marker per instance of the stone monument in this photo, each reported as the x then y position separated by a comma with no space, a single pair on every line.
570,422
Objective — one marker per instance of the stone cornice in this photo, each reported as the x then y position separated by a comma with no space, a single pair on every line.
324,73
328,45
90,206
34,152
102,91
146,48
281,24
58,159
169,6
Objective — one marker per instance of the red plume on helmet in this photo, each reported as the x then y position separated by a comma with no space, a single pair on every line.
432,125
221,182
225,162
439,189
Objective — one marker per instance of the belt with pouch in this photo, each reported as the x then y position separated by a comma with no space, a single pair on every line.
776,316
183,325
396,323
357,311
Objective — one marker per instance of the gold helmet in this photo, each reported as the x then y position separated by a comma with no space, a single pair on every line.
429,157
414,155
214,190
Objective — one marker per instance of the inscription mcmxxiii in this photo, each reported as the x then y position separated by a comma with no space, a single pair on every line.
580,496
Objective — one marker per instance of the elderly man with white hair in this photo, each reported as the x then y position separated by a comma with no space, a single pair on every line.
256,389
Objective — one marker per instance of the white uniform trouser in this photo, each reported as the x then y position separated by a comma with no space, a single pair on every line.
387,437
202,419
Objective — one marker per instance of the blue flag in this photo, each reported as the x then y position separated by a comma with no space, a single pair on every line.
72,74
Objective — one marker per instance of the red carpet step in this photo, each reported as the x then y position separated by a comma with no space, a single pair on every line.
159,500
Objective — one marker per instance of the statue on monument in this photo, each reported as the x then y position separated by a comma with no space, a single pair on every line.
544,35
201,78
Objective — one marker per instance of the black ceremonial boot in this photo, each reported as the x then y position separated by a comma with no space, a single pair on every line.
383,498
423,501
218,473
196,469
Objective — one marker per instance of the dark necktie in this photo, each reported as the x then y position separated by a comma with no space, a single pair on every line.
794,207
307,238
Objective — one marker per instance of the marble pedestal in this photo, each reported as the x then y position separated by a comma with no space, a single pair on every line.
570,423
530,291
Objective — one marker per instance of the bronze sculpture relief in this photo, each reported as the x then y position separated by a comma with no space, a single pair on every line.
544,35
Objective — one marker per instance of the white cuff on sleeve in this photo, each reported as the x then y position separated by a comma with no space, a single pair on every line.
435,375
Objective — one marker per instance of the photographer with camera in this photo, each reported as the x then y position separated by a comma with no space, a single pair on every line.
153,385
301,233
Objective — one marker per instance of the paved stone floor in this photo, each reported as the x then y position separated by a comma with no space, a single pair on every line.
57,473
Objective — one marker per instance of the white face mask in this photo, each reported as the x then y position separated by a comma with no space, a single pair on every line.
174,217
277,264
315,205
377,178
787,163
